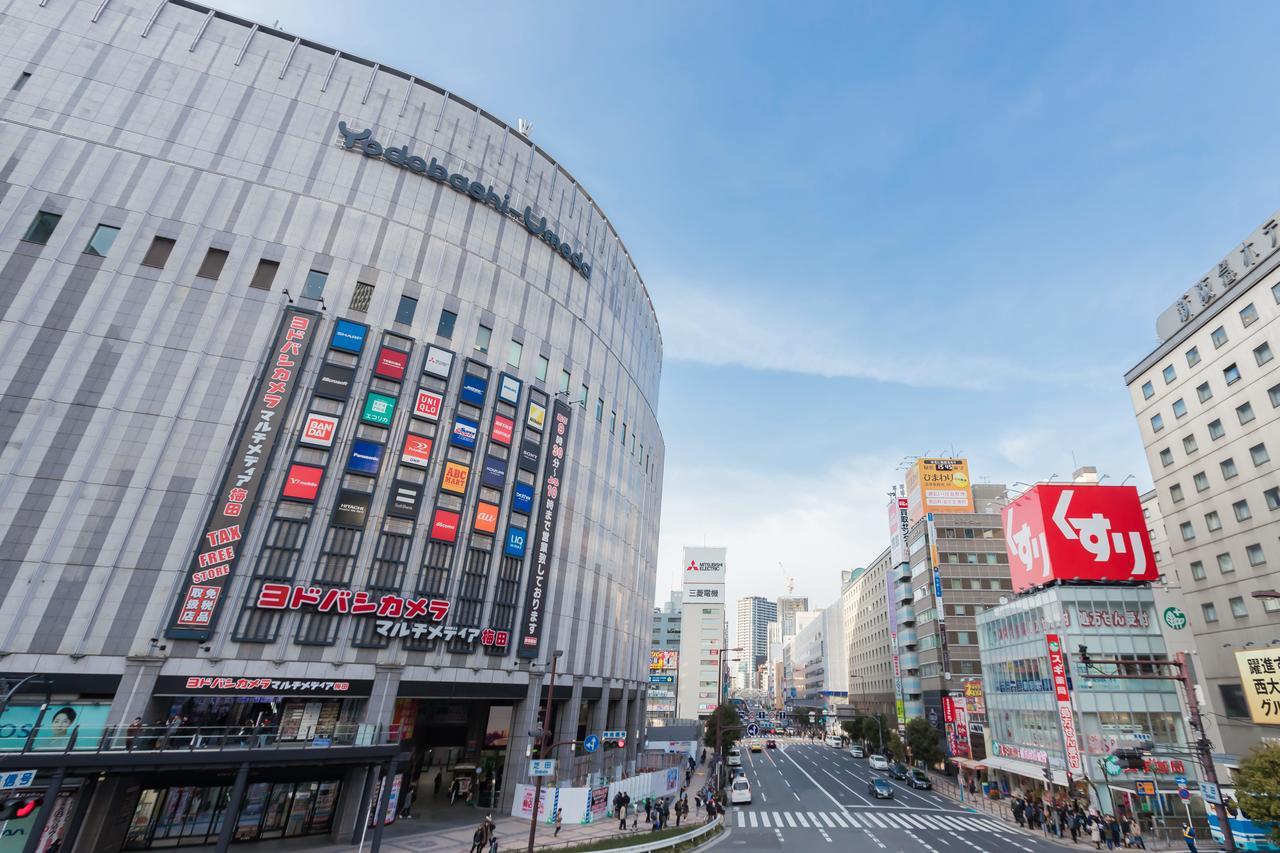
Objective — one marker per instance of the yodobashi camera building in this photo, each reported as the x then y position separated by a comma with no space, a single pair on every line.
328,415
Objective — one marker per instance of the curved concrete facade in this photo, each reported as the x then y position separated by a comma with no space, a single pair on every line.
234,161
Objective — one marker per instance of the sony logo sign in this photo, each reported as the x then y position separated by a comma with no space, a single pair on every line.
363,141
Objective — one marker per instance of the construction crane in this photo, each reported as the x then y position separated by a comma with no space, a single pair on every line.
791,582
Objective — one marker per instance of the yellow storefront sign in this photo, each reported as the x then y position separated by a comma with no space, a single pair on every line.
1260,678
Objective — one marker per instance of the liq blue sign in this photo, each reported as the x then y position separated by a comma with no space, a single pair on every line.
515,542
348,336
473,388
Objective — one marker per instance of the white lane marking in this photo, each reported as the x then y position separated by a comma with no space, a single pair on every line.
777,819
742,819
873,819
779,831
800,817
840,820
763,798
791,823
922,842
839,804
764,819
824,834
754,821
872,836
971,844
846,787
918,820
826,819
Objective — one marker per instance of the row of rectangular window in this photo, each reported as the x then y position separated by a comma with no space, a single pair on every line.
1262,354
1238,608
1248,316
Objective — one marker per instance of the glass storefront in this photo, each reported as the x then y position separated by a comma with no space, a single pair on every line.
188,816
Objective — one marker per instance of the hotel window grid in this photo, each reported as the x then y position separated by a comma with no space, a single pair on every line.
1175,493
314,286
1193,357
158,253
42,227
586,392
1231,373
1272,496
599,410
361,297
1210,612
1197,570
1201,481
1157,423
1179,408
1237,607
1273,394
1166,457
483,335
1229,470
613,422
1216,430
1242,511
1245,413
1204,392
1148,391
1170,375
1248,315
1255,555
211,266
515,352
1219,337
406,309
543,365
1212,522
1271,605
1189,444
1262,354
1188,531
1224,564
264,275
104,236
444,328
565,377
1258,453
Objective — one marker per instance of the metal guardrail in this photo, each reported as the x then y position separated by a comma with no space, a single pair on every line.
50,738
661,844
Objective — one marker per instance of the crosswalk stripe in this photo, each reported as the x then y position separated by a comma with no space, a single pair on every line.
950,822
742,819
754,822
973,823
874,819
790,822
777,820
916,821
813,818
764,819
854,821
836,816
896,819
800,817
826,819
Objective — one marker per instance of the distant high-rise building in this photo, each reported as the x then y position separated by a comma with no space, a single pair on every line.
754,615
788,607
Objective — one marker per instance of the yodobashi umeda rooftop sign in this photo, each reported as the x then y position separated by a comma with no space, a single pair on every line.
401,156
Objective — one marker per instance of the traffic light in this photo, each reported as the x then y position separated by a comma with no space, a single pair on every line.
17,808
1083,651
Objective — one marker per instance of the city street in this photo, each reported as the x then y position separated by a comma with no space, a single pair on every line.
807,794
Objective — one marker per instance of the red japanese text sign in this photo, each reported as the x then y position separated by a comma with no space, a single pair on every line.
1071,531
1062,693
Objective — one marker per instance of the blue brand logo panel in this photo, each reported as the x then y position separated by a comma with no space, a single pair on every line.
348,336
494,474
522,499
464,433
473,388
366,457
515,542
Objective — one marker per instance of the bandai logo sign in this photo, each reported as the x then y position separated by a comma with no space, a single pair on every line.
391,364
417,451
502,429
1070,531
302,483
444,526
319,430
427,405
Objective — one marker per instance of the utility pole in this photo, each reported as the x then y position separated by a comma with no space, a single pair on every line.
543,739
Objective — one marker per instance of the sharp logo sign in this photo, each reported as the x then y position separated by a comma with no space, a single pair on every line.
363,141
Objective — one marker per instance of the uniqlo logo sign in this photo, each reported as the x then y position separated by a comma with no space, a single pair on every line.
319,430
1068,531
427,405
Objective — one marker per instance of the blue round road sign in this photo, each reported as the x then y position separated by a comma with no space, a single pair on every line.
753,730
591,743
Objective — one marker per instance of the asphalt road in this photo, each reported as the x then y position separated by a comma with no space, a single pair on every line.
806,795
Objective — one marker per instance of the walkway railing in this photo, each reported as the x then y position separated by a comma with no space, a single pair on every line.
668,843
54,736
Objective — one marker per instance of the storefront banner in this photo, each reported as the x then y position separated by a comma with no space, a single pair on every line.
514,546
539,581
1058,672
529,454
473,389
497,733
938,485
464,433
486,517
283,596
334,381
509,388
429,631
366,457
55,727
894,652
494,473
427,405
899,525
438,363
318,430
391,363
254,685
455,478
379,409
404,499
503,427
444,526
218,549
349,336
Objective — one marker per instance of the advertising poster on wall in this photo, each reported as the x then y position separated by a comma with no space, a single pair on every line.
217,550
938,485
302,482
378,409
1066,717
318,430
348,336
417,451
53,728
366,457
352,509
444,526
455,478
427,405
473,389
391,363
1258,678
544,533
522,498
438,362
486,517
334,381
509,389
537,416
497,733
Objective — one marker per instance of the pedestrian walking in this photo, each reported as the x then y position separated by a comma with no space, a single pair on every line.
481,837
435,786
1095,832
135,728
1137,840
1189,836
622,814
1113,839
559,821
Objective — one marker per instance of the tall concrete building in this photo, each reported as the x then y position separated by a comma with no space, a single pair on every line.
754,615
820,660
703,631
864,604
1207,401
664,661
788,607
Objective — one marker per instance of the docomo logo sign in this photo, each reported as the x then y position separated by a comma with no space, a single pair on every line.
1077,532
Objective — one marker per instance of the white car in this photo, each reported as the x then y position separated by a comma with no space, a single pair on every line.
878,762
735,758
856,750
834,741
740,792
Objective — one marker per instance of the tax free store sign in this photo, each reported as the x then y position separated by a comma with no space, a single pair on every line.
363,142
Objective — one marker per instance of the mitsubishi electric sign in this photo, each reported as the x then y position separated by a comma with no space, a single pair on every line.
703,566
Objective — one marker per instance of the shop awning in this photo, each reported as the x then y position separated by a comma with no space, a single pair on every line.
1025,769
967,763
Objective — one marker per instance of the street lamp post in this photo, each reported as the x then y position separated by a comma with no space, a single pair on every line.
543,739
720,704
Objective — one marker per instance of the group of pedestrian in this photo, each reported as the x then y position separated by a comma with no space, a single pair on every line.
1061,818
485,838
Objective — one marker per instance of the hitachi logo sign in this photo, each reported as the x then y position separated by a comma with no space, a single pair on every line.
363,141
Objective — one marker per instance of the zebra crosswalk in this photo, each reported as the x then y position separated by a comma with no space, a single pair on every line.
883,819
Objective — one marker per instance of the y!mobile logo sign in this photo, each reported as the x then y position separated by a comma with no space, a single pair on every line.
218,550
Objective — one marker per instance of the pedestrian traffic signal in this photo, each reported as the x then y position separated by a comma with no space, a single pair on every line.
17,808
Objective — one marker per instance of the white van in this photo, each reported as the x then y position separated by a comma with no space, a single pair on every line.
735,758
856,750
835,741
740,791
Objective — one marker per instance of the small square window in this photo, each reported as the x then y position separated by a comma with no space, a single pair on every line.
1212,522
483,335
1204,392
1201,481
406,309
1219,337
1193,357
444,328
1197,570
1237,607
1209,611
515,352
21,81
1242,511
1272,496
1273,394
104,236
1175,493
214,261
1248,315
1231,373
1148,390
313,287
1157,423
1166,457
158,252
1216,430
1170,375
613,422
1244,412
1225,565
564,381
1271,605
1262,353
265,274
599,410
41,228
1258,453
1187,530
584,392
1228,467
1189,444
1275,292
361,297
1255,555
541,372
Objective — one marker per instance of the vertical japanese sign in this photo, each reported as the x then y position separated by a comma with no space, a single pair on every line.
1067,719
535,594
898,698
935,568
218,552
949,722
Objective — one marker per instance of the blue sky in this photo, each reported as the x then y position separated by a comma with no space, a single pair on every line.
874,230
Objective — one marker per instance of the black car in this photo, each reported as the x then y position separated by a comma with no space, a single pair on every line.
880,789
899,771
919,779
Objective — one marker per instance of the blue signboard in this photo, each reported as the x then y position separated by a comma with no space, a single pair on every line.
473,388
591,743
494,474
464,433
366,457
937,584
522,498
662,679
348,336
515,542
